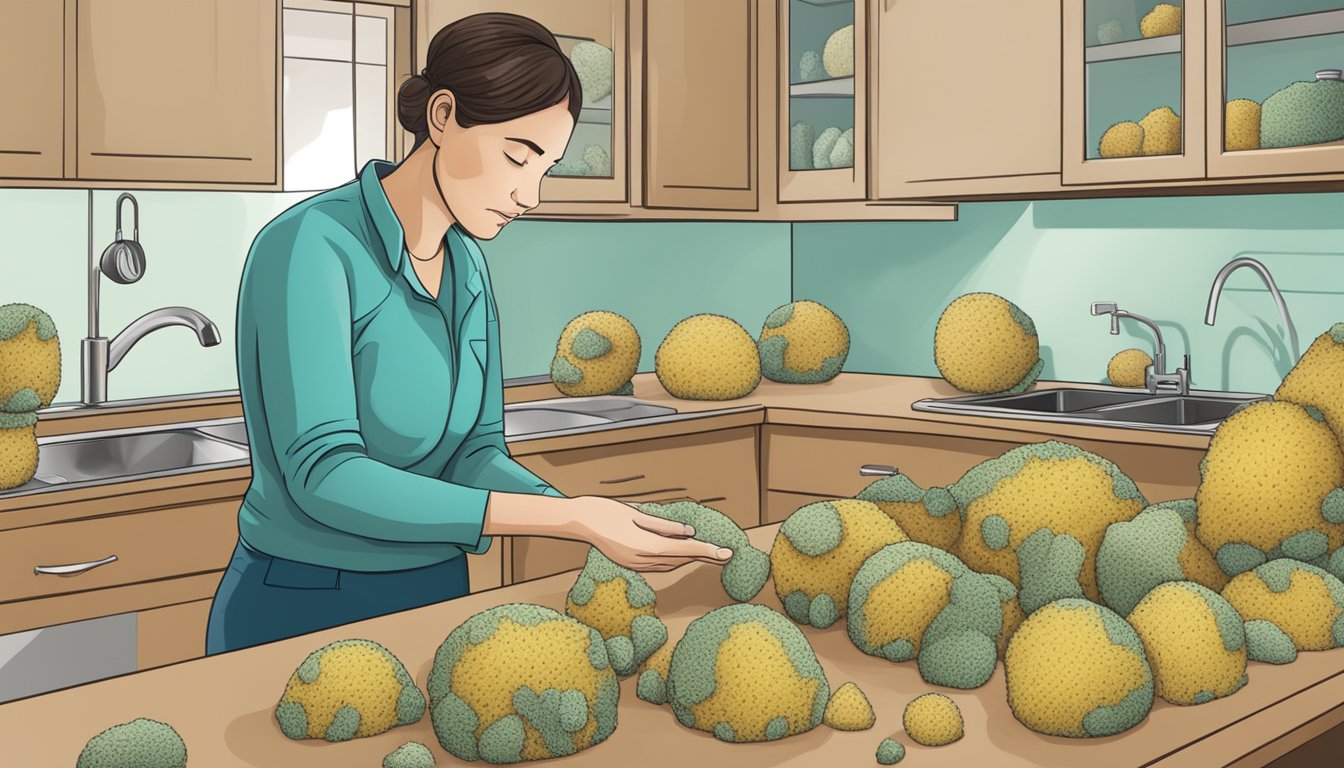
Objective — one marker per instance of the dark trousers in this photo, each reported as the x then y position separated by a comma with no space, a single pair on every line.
263,598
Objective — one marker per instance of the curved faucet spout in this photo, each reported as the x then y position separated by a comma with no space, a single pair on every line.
1260,269
206,331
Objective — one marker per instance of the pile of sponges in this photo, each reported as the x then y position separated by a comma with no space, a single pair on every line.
30,374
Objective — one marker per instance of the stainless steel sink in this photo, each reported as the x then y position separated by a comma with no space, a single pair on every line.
130,454
578,413
1196,413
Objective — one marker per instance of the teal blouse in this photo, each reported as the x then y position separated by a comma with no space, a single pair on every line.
374,412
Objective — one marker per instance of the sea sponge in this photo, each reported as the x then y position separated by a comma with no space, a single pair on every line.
141,743
651,685
1011,610
801,138
1195,642
1303,601
838,55
1317,380
412,754
1266,642
849,710
984,344
821,148
30,358
927,516
1124,139
819,549
597,354
1036,515
746,571
1164,19
1110,31
1155,547
18,448
890,752
1270,488
802,342
1305,112
619,604
910,600
1161,132
521,682
708,357
1242,126
1129,368
933,720
1075,668
597,160
348,689
596,67
810,67
745,673
842,154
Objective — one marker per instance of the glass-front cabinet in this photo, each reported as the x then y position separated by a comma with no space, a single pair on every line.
823,105
592,33
1133,90
1276,90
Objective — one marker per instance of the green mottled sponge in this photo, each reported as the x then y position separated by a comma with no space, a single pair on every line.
747,571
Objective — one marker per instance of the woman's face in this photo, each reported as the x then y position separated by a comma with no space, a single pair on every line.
490,173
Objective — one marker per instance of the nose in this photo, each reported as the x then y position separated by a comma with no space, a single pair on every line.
529,201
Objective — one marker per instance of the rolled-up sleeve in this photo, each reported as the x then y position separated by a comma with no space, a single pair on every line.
302,302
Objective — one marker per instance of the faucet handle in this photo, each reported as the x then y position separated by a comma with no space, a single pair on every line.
1104,307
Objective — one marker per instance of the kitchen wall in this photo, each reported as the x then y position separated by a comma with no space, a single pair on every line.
543,274
1154,256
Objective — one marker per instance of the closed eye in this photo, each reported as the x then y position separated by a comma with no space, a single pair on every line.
518,163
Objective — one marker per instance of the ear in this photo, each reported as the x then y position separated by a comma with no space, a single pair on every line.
438,112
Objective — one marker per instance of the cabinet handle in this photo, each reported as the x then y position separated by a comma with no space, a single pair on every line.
623,479
63,570
878,469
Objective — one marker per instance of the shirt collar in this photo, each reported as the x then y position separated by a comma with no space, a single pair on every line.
388,227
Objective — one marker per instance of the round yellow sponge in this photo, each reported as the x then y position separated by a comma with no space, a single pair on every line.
933,720
597,354
1164,19
1161,132
849,710
1129,368
1303,601
708,357
1195,641
1243,125
1124,139
984,343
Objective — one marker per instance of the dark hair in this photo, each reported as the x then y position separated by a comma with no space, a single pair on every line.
500,66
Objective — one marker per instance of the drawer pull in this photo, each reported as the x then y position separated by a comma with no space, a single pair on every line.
623,479
878,469
65,570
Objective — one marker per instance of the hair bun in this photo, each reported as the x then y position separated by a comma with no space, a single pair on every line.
412,98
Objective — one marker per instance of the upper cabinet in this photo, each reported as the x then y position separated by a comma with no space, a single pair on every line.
593,34
32,42
176,90
823,86
1133,90
1276,98
966,97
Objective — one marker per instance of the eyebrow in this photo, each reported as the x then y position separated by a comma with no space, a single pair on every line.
530,145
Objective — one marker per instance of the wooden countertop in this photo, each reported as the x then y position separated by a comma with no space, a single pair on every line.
223,705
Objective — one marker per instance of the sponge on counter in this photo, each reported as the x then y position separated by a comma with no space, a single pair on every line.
933,720
849,710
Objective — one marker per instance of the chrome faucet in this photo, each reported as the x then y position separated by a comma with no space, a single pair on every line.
1155,376
123,262
1260,269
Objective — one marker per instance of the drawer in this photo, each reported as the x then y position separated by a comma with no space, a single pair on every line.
151,545
172,633
820,461
778,505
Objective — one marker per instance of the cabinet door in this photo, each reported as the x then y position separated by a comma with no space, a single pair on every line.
177,90
593,168
1134,103
1275,97
32,88
823,86
700,81
966,97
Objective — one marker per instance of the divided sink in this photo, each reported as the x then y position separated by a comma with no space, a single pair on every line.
576,412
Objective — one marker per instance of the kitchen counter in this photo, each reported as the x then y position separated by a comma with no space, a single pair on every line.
223,705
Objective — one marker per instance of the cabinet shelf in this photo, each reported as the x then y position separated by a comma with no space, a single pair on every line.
597,113
835,88
1247,33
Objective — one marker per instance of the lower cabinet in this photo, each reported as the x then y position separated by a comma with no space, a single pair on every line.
171,634
718,469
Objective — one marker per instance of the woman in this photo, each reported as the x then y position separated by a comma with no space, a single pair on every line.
369,365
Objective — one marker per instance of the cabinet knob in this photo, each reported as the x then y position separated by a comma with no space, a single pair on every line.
65,570
878,469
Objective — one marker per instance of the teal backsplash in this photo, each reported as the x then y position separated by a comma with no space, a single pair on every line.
889,281
1156,257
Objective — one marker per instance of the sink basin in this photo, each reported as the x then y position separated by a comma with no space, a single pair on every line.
564,413
1195,413
126,454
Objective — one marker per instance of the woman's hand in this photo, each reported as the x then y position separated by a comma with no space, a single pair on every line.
638,541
